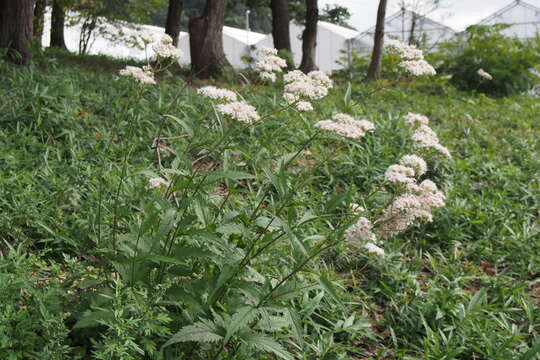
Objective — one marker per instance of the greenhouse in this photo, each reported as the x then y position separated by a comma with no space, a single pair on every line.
409,27
523,18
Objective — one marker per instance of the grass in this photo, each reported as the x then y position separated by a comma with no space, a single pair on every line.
464,286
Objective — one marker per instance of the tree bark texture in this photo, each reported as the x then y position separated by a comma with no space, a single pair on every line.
206,41
280,27
412,38
309,37
376,57
174,14
16,20
57,25
39,20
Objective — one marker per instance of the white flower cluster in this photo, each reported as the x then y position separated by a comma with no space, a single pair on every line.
240,111
218,94
418,67
158,182
424,136
301,89
361,234
269,64
399,174
416,119
346,126
413,58
484,74
356,209
143,75
163,47
405,51
417,204
414,162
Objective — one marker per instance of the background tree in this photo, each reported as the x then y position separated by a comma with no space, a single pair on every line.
419,9
280,28
206,41
39,19
336,14
16,20
58,19
309,37
376,57
174,15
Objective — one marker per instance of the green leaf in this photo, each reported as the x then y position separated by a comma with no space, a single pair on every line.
265,343
240,320
533,351
328,286
202,331
91,319
182,123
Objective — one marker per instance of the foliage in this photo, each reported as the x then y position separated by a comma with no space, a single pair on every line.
508,60
462,286
336,14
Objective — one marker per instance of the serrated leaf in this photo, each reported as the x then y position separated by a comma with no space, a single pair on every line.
202,331
240,319
266,343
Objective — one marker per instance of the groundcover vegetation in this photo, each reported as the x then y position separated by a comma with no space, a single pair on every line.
241,253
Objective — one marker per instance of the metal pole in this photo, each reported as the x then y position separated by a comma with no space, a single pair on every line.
247,36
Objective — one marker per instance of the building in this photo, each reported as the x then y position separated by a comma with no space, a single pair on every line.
333,44
409,27
523,18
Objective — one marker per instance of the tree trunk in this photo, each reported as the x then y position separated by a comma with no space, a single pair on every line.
57,25
309,37
412,38
280,28
39,20
16,17
172,27
206,41
376,58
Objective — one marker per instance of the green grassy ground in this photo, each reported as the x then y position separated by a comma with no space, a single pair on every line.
76,154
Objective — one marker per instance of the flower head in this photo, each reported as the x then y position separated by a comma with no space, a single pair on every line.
346,126
484,74
414,162
142,75
215,93
158,182
240,111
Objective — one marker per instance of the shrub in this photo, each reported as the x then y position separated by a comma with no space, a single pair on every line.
508,60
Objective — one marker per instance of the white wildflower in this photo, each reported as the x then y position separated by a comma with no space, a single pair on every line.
415,162
346,126
356,209
399,174
405,51
304,106
484,74
302,87
374,249
164,48
158,182
361,231
144,76
240,111
418,67
215,93
416,119
270,76
425,137
269,64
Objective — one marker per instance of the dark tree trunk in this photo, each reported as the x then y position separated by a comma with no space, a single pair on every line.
172,27
280,28
57,25
412,38
39,17
309,37
376,57
16,18
206,41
